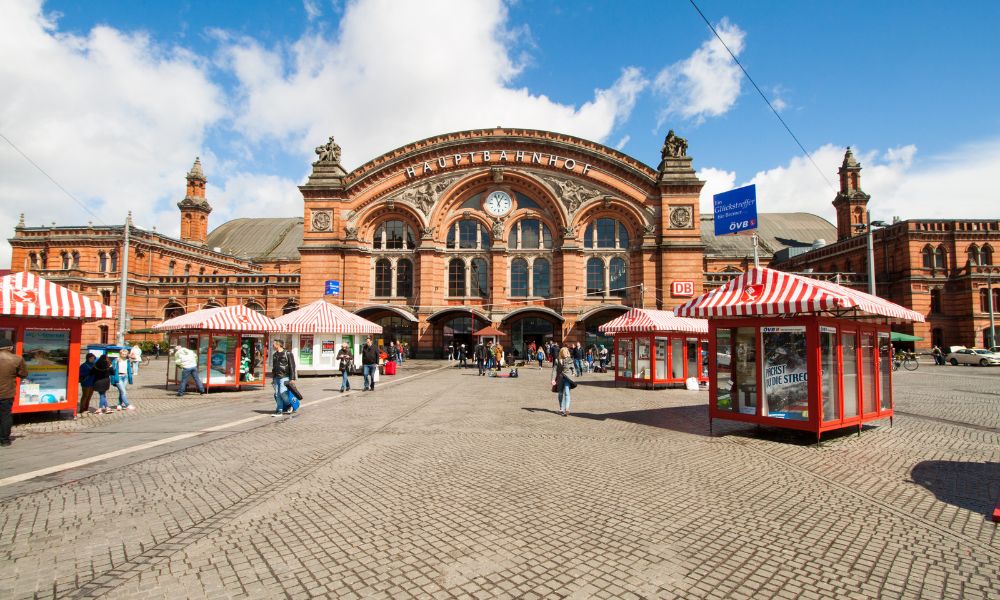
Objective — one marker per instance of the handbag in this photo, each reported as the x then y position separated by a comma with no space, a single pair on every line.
557,385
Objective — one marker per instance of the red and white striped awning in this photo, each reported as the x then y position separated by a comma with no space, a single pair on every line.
769,292
27,295
226,318
323,317
639,320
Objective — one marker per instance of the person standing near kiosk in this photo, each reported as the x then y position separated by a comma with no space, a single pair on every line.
12,366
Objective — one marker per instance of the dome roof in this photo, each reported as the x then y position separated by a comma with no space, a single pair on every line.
259,239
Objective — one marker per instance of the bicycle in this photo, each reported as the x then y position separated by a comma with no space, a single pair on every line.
908,360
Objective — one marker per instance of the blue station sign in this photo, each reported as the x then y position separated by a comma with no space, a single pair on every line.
735,210
332,288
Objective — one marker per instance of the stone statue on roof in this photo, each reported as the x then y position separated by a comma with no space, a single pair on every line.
674,146
328,152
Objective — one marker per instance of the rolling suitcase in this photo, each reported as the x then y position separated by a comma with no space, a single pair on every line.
390,368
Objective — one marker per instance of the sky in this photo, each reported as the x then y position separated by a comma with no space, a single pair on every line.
114,99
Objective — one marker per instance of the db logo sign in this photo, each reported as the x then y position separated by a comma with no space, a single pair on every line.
682,289
24,296
752,293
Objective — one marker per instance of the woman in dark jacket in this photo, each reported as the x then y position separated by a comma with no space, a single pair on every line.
102,382
87,382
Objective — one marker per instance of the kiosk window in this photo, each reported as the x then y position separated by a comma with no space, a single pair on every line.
849,351
868,372
829,376
724,370
885,371
745,355
46,354
785,376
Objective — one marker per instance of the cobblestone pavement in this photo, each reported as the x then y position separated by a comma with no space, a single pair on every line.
449,485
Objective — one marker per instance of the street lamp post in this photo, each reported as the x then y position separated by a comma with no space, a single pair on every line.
989,300
871,249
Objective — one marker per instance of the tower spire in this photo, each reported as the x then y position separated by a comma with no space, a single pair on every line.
195,207
851,202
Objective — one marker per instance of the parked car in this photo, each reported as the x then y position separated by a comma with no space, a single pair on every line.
974,356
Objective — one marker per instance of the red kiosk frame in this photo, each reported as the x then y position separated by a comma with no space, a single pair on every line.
231,343
798,353
44,320
657,348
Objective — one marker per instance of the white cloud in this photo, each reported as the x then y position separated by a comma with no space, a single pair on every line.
313,11
955,185
379,83
113,117
621,143
707,83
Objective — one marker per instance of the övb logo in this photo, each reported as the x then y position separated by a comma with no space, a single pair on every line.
243,319
752,293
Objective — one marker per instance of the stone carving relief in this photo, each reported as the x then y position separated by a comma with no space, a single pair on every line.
648,229
322,220
425,195
350,232
674,146
681,217
498,229
569,232
496,174
572,194
427,233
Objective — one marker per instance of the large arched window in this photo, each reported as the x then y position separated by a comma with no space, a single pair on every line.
540,275
928,257
456,277
986,255
76,259
468,234
479,282
114,261
519,277
529,234
66,260
33,260
171,310
393,235
291,306
605,234
253,305
974,255
940,257
595,277
170,267
383,277
618,277
404,278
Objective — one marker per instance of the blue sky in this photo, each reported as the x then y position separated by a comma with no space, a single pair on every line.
114,99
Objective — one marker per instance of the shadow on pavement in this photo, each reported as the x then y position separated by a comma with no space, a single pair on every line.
974,486
685,419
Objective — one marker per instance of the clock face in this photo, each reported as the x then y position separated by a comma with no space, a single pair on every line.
498,203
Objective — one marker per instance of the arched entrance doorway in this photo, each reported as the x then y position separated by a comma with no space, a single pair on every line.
531,326
452,328
397,326
596,317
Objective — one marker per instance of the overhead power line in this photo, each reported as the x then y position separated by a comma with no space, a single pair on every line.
52,179
762,95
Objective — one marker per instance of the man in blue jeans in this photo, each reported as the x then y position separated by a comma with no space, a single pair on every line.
187,361
283,370
369,363
578,359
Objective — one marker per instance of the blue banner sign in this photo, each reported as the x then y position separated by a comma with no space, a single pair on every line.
735,210
332,288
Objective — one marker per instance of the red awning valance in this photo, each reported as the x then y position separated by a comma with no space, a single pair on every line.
28,295
768,292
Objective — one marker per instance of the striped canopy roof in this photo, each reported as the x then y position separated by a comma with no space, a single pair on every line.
639,320
226,318
27,295
323,317
769,292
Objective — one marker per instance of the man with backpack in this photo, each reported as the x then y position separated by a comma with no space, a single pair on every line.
283,371
369,363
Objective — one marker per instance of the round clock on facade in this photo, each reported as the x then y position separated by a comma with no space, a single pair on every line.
498,203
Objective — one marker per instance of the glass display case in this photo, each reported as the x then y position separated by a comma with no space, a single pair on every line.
225,359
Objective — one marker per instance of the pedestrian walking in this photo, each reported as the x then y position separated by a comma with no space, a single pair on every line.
603,355
187,361
87,382
938,356
12,366
590,359
121,376
562,381
541,358
102,383
479,355
156,350
135,358
369,363
283,371
345,359
463,358
577,353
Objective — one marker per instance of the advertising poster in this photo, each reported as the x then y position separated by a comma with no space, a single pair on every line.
46,354
328,348
786,384
306,350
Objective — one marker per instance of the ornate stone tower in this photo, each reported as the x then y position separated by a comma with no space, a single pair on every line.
194,207
851,203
